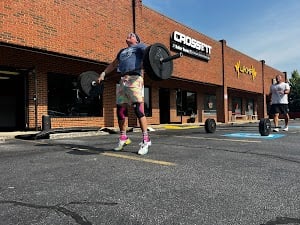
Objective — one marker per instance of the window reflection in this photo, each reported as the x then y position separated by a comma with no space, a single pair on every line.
210,104
65,99
237,105
186,103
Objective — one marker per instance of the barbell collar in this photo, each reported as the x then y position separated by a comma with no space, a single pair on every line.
176,56
89,85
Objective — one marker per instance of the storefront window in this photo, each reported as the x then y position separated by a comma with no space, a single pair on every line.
186,103
210,104
237,105
65,98
249,109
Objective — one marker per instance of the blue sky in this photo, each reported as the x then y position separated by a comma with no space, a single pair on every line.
262,29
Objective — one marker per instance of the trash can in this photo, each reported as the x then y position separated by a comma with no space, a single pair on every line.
46,122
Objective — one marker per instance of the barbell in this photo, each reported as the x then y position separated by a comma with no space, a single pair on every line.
264,126
157,63
210,125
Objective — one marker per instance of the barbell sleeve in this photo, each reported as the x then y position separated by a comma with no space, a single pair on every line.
176,56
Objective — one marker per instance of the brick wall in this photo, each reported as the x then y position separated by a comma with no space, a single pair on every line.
39,65
242,80
89,29
84,28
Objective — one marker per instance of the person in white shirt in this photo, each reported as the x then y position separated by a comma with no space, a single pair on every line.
279,102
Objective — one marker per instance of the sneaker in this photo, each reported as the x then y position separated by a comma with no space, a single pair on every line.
285,129
276,130
144,147
122,144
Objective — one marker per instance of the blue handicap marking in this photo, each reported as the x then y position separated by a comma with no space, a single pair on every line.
253,135
293,126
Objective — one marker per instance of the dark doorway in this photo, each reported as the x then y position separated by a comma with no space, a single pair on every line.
12,100
164,105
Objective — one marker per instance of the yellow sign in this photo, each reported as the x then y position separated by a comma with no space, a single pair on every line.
243,69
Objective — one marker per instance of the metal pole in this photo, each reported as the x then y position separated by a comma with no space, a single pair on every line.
181,106
35,99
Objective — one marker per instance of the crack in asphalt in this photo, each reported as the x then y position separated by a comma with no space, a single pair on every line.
282,220
60,208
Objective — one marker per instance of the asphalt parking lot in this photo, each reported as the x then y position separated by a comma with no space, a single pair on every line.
233,176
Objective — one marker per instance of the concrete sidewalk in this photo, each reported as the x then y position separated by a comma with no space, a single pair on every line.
71,132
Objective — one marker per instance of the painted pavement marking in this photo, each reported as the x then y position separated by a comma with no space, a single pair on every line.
88,150
174,127
164,163
253,135
118,155
219,139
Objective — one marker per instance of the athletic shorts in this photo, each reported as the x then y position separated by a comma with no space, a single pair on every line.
130,89
279,108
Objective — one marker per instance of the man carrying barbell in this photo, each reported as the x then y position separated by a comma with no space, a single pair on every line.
129,62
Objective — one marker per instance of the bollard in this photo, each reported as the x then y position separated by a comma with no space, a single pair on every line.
46,122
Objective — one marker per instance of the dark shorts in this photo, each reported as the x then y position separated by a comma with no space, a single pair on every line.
279,108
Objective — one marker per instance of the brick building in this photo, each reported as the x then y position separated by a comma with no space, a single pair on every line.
46,44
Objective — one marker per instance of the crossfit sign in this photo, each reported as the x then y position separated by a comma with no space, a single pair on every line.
190,46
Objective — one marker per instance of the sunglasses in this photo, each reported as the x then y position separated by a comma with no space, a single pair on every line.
131,35
134,35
